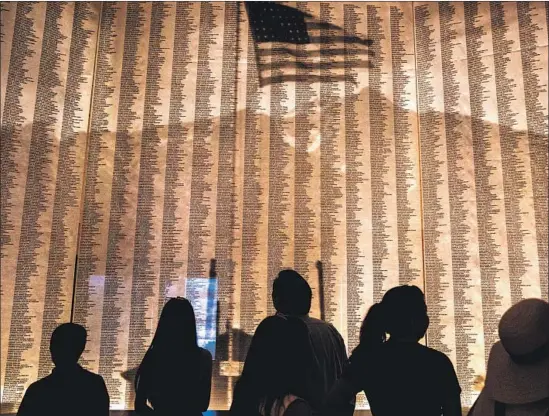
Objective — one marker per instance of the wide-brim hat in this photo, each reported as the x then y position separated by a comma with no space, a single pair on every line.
518,365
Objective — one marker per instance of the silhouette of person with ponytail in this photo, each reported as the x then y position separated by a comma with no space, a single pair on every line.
398,375
175,374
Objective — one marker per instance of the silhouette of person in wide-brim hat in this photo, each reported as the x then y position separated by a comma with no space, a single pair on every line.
517,375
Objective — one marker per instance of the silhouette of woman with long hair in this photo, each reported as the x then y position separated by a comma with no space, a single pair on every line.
277,371
175,374
398,375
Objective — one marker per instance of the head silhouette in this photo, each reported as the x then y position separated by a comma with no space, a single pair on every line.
402,313
67,344
291,293
176,327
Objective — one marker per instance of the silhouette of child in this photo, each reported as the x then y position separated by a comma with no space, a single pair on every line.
69,389
175,374
399,376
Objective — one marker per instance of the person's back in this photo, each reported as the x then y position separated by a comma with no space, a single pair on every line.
175,374
275,376
330,352
292,297
69,389
67,392
399,376
175,389
402,378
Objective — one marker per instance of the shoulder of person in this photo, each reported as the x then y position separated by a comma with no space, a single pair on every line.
309,320
206,363
442,368
147,358
322,324
43,383
437,356
38,385
362,353
205,354
38,390
93,377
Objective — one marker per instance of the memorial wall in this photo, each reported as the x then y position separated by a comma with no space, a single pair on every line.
146,143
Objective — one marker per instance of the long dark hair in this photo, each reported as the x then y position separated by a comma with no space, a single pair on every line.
280,362
176,327
372,330
401,313
175,341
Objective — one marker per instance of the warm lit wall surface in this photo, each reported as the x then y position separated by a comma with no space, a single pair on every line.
142,140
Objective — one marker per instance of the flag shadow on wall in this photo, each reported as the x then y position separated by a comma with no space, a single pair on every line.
294,46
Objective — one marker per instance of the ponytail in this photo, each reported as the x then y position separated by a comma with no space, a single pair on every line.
373,329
